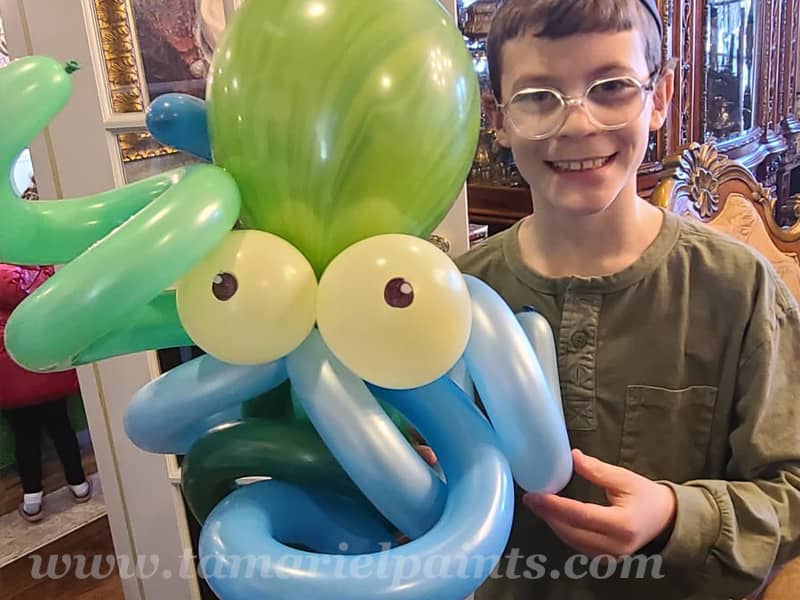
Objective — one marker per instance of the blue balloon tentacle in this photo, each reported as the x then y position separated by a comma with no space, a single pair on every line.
462,548
171,412
363,438
516,394
540,335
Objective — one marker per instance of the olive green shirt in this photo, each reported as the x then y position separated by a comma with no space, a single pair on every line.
682,367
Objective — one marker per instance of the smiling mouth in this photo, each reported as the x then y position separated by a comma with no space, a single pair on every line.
577,166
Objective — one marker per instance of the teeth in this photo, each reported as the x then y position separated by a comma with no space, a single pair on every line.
581,165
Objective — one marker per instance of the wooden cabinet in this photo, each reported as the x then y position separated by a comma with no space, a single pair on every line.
736,86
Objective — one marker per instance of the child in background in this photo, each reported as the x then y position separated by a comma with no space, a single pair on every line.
32,401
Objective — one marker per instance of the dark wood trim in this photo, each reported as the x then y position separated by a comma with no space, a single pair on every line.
498,207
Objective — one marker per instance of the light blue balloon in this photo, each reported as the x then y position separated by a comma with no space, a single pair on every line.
460,375
325,521
171,412
180,121
516,394
364,440
447,563
300,414
540,335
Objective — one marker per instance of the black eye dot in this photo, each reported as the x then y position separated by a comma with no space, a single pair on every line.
224,286
398,293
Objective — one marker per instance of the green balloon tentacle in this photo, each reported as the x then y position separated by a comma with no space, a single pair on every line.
153,327
33,90
122,248
75,313
47,232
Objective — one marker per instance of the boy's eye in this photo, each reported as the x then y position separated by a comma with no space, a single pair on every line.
614,86
541,97
611,86
535,102
616,91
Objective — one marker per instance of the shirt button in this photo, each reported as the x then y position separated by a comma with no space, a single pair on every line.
579,339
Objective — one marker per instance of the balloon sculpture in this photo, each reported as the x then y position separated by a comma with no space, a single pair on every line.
339,132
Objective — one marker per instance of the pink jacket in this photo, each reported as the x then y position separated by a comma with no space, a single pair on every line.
19,387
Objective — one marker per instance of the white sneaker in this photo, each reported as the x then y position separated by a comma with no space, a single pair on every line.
30,508
81,492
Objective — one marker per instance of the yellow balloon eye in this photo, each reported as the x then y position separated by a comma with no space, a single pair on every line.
399,293
224,286
395,310
251,301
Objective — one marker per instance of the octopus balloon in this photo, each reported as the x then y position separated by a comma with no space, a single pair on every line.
336,135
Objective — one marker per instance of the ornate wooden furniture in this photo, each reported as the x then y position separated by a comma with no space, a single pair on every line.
715,190
711,188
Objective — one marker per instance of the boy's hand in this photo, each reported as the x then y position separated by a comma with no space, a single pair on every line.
427,454
640,510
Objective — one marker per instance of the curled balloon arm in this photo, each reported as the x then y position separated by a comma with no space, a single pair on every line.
45,232
538,330
287,450
516,393
358,432
33,90
93,296
173,411
155,326
466,541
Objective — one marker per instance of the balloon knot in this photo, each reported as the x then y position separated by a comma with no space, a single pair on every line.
72,66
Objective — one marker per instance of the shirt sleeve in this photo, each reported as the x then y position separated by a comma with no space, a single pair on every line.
730,534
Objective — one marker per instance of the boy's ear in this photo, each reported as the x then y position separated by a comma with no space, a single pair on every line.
496,119
662,98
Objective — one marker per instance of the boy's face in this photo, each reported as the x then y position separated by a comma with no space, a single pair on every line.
570,65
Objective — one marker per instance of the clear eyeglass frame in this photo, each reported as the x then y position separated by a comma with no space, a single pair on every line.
568,102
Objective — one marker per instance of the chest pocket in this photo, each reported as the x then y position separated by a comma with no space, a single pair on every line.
666,433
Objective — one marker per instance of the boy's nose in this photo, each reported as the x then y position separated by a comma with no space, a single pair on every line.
577,122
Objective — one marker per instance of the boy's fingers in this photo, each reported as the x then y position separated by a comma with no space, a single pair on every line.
604,475
427,454
604,520
590,543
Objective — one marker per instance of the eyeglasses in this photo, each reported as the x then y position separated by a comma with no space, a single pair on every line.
610,104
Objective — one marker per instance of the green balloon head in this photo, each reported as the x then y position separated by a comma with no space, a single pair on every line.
343,119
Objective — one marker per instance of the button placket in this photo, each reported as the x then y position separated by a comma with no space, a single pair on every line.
577,345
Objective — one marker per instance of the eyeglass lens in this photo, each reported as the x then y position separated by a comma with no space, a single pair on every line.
610,103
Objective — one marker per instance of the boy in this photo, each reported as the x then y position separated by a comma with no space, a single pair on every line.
677,347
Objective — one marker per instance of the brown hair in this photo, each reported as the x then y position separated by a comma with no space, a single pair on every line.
561,18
